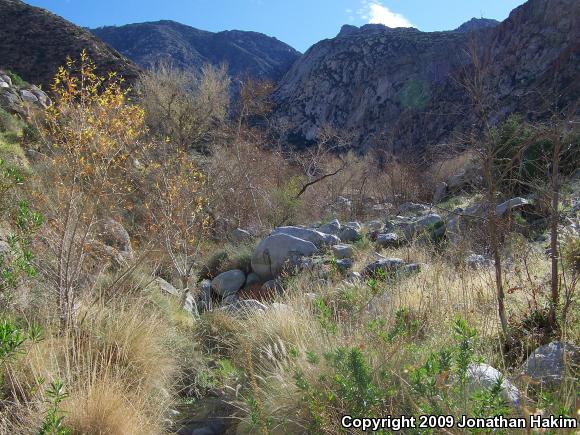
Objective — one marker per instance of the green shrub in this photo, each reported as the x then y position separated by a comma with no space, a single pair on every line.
227,258
53,423
349,387
16,79
284,204
8,123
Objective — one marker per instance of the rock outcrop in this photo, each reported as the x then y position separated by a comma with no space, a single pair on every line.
19,98
397,89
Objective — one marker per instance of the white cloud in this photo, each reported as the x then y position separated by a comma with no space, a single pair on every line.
375,12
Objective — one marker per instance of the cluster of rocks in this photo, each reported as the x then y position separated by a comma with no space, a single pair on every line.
18,99
291,249
547,366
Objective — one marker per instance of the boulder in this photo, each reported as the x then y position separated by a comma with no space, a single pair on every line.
166,287
413,208
388,240
41,96
189,305
476,261
357,226
277,306
432,223
428,221
316,237
511,205
332,227
354,276
440,193
374,226
11,101
276,252
343,251
6,79
204,296
115,235
230,299
457,182
465,179
228,283
550,363
344,265
349,234
252,279
244,306
387,265
411,268
484,376
240,236
28,96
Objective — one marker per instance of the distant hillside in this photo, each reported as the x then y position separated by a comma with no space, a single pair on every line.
246,53
398,88
35,42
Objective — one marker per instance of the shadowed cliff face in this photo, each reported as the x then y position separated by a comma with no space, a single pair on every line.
399,88
249,54
35,42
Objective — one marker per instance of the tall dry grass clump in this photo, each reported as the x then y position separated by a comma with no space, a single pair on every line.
115,367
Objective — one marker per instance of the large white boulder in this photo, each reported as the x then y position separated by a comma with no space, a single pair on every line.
316,237
277,251
484,376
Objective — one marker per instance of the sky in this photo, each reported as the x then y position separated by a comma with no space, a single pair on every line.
300,23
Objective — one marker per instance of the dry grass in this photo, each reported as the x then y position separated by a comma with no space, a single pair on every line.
272,347
445,168
116,368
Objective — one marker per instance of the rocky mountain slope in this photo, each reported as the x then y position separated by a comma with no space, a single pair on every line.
246,53
398,88
35,42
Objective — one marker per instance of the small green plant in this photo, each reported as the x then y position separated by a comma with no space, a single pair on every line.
53,423
325,315
490,401
17,260
440,383
348,388
405,325
12,340
375,281
8,123
363,243
16,79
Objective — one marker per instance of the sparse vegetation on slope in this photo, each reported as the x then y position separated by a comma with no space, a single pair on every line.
165,271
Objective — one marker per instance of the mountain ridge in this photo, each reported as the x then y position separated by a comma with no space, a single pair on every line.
246,53
398,89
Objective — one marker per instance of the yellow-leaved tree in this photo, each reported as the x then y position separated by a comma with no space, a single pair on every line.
91,136
176,206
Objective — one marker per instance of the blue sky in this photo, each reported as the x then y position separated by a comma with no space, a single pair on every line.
299,23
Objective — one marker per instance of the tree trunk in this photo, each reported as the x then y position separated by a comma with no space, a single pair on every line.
554,219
